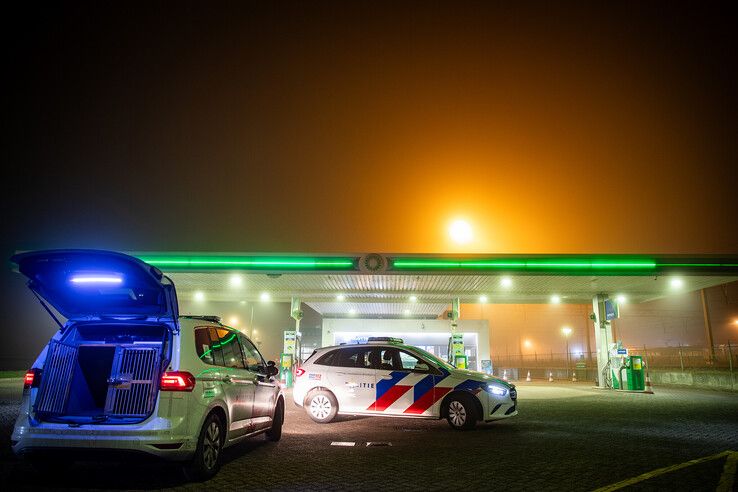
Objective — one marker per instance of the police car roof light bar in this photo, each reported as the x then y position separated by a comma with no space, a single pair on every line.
384,340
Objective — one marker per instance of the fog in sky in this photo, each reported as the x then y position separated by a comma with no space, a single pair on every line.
368,126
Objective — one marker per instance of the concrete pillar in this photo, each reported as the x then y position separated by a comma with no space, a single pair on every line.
708,325
587,336
603,336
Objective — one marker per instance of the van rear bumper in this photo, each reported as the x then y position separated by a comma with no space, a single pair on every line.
156,437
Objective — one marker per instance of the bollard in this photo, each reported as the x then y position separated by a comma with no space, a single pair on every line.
504,375
528,377
649,387
550,377
574,377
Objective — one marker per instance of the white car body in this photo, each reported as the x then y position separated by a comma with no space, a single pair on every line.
197,367
401,387
247,401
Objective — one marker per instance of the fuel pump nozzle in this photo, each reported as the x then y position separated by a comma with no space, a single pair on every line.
624,365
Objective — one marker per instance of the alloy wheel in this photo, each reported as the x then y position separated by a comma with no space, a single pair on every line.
457,413
320,407
211,445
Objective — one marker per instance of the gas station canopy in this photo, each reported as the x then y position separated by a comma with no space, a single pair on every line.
374,285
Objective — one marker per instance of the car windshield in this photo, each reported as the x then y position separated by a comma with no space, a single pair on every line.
434,359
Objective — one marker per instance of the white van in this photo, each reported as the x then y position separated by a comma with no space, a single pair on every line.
126,373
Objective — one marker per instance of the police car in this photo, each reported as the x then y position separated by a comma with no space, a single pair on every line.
388,378
126,374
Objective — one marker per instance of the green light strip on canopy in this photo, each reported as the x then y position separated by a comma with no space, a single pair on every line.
705,265
551,264
541,264
249,262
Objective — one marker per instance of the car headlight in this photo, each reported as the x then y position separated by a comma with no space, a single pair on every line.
497,390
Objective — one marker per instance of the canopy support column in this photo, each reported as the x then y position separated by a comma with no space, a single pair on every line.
603,336
708,325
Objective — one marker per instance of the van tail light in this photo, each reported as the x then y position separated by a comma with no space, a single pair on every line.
299,372
32,378
177,381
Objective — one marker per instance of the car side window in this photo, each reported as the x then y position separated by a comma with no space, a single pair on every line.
411,362
355,357
251,356
389,359
204,345
329,359
207,346
393,359
230,348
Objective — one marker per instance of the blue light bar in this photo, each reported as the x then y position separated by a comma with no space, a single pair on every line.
96,279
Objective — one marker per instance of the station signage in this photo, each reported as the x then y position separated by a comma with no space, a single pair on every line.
289,342
611,310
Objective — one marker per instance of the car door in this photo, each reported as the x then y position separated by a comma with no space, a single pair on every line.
238,383
266,388
403,383
352,379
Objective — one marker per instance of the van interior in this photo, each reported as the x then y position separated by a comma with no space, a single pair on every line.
103,373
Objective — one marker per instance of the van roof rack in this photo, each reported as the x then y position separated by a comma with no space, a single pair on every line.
384,340
204,317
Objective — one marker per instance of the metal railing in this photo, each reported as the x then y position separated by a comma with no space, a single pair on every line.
721,357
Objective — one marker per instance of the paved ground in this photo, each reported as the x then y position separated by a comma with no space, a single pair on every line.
567,437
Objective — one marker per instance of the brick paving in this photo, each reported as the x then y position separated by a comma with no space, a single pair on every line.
567,437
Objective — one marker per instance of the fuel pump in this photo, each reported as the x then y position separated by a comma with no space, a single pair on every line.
635,373
456,354
290,357
617,354
456,351
297,314
627,370
285,369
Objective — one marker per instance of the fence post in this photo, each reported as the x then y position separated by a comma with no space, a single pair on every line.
730,365
681,359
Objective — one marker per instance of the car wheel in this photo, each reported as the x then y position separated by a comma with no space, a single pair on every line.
321,406
275,432
206,462
461,412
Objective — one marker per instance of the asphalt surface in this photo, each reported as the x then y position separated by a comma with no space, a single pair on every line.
566,437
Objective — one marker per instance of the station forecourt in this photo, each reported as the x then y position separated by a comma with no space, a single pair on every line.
566,436
467,304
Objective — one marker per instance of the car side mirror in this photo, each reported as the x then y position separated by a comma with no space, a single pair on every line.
271,369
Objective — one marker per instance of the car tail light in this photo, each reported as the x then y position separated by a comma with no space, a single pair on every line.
177,381
32,378
299,372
